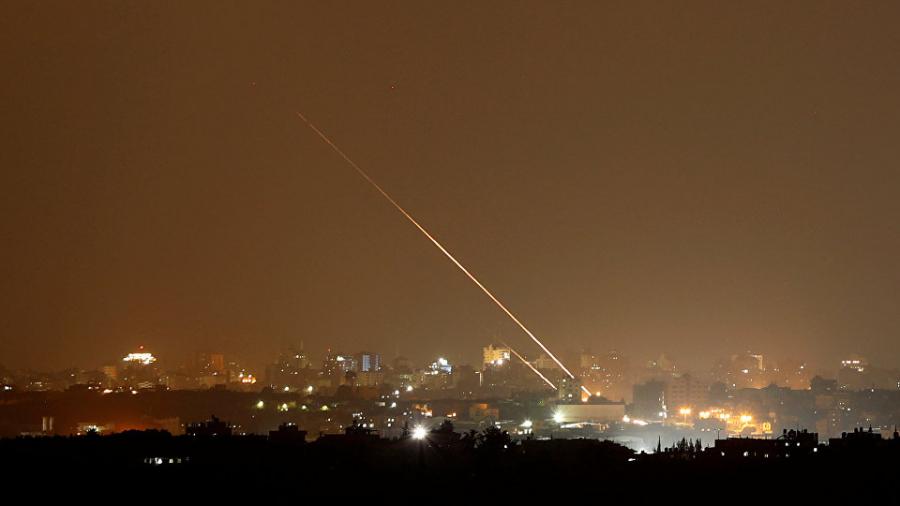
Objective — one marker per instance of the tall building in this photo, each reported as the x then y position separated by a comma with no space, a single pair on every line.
685,391
568,390
368,362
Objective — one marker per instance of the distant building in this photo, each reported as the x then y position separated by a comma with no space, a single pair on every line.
855,362
685,391
369,378
210,428
790,443
288,433
820,386
139,370
544,362
856,440
207,362
291,370
568,390
495,355
441,366
649,400
368,362
480,411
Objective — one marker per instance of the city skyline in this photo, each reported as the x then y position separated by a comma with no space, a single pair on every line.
658,184
454,252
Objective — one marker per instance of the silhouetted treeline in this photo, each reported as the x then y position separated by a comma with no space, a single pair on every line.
446,463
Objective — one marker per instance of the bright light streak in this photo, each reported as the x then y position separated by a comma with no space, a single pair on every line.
419,433
533,368
439,245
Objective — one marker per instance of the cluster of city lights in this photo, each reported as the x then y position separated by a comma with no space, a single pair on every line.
142,358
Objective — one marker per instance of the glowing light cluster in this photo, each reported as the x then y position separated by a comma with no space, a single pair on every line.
142,358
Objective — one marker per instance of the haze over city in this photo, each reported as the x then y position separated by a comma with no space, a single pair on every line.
451,252
639,177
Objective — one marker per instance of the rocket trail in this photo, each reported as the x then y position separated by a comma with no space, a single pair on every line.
533,368
436,243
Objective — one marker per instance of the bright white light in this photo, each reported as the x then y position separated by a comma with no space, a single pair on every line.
409,388
558,417
419,432
526,424
142,358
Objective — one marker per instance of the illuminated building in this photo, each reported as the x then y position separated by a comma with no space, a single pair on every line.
139,370
854,374
568,390
495,355
368,362
854,362
607,375
337,364
441,366
685,391
139,358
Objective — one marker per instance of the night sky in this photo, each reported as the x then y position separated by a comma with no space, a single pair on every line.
692,178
